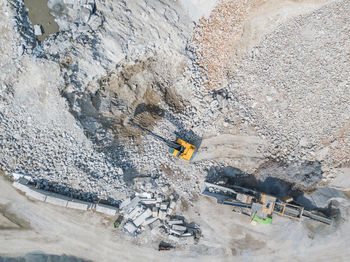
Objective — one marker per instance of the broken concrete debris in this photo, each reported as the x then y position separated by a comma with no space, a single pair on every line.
154,211
145,209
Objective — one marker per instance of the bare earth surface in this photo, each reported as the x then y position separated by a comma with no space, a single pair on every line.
260,87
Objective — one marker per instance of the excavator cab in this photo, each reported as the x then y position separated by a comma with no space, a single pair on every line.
185,151
180,148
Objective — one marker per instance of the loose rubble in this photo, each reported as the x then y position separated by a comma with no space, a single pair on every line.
156,211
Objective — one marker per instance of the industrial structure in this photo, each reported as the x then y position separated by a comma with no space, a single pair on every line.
259,206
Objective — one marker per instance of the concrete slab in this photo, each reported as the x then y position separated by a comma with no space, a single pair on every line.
172,205
79,204
149,221
134,213
22,186
176,232
57,200
38,29
155,211
155,224
164,205
142,218
173,238
179,227
133,203
148,195
148,201
130,227
36,194
162,214
106,209
175,222
125,202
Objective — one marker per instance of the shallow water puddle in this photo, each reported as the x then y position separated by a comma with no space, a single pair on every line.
39,13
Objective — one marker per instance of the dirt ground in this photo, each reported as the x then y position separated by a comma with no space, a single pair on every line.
28,226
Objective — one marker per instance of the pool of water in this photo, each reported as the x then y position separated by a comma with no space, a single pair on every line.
39,13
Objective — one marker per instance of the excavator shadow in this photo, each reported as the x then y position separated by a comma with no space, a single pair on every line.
182,132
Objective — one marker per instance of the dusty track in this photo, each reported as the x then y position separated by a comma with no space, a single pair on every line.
89,235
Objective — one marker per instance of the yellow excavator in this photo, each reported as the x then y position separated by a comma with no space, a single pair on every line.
180,148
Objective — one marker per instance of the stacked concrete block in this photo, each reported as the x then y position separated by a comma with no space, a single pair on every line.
106,209
152,210
80,205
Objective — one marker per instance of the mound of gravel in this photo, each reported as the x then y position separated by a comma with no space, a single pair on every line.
294,87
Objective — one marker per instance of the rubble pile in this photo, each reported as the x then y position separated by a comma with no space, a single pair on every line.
181,232
145,209
155,211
